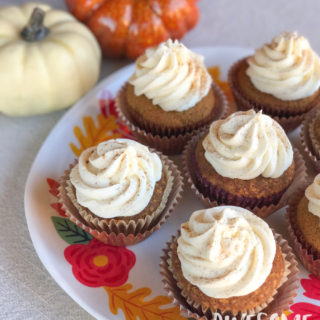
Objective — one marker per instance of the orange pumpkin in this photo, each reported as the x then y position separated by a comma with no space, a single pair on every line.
125,28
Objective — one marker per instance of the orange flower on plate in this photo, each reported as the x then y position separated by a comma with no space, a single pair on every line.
215,73
97,264
106,126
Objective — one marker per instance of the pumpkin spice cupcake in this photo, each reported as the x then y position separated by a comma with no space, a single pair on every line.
120,190
170,95
226,260
282,79
303,217
244,160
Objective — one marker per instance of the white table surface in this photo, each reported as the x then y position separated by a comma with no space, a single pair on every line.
26,289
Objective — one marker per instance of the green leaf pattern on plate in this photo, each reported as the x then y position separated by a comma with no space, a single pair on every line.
70,232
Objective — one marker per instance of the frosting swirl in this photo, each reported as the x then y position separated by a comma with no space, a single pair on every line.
312,193
246,145
172,76
287,68
116,178
226,251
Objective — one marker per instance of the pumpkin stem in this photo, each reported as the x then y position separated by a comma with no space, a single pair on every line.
35,30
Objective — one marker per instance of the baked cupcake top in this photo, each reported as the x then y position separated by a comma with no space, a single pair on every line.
116,178
287,68
172,76
226,251
248,144
312,193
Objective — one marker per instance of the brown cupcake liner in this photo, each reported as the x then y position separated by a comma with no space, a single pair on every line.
314,140
287,119
168,144
124,233
308,140
290,123
280,301
161,130
255,205
308,255
113,225
221,196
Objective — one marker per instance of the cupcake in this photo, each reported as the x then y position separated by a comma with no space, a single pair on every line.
303,217
281,78
120,190
170,95
310,136
227,260
244,160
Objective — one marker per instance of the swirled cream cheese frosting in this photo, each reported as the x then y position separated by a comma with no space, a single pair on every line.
248,144
287,68
226,251
117,178
312,193
172,76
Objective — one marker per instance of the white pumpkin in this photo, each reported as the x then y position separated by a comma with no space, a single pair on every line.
39,76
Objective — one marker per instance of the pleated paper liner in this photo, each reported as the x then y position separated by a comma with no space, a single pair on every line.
306,135
261,211
309,256
285,117
174,143
220,195
124,233
234,310
281,300
313,138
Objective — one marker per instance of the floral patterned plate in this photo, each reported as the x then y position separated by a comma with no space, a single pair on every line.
118,282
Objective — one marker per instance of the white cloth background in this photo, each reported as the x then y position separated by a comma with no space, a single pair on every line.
26,289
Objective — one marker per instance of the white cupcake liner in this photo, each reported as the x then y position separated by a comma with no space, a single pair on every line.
120,233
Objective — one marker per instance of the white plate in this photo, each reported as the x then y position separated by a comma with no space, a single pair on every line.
51,161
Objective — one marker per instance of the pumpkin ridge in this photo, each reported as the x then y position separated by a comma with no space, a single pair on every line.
124,49
48,75
74,59
155,12
57,23
161,18
81,31
3,45
87,20
103,7
11,24
186,26
23,66
164,23
96,50
145,37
